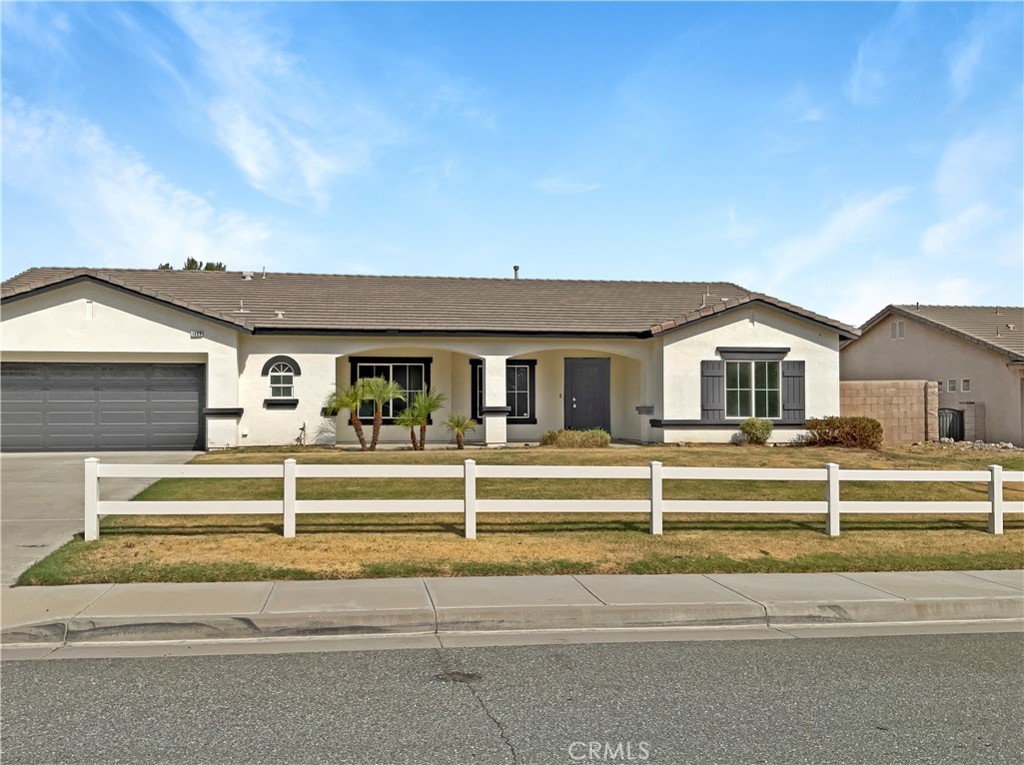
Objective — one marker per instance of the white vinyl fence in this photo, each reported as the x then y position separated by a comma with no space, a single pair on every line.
830,476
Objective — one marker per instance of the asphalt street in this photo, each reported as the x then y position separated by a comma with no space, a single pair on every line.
907,699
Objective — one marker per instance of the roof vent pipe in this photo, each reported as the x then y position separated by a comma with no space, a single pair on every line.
515,272
264,272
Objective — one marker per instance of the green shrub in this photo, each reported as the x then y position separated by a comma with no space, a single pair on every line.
756,431
848,432
576,439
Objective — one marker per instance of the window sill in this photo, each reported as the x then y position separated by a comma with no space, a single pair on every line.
280,403
522,421
733,424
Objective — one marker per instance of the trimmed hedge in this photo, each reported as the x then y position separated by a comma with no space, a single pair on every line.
848,432
756,431
576,439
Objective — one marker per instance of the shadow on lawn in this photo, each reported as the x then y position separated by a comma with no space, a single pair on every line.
349,526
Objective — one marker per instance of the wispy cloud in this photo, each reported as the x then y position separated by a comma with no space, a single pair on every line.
970,165
879,284
561,186
736,229
41,24
799,104
967,53
123,211
853,222
953,234
288,135
879,56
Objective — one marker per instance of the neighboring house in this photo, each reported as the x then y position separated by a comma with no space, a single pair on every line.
149,359
975,353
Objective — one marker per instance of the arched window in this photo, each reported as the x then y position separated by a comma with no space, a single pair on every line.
282,372
282,380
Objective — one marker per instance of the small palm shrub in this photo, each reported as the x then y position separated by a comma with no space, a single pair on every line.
576,439
756,430
460,424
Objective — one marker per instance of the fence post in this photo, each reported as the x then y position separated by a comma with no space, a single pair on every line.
92,499
832,498
470,498
995,497
289,498
656,516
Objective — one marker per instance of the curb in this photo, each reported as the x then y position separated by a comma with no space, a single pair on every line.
82,630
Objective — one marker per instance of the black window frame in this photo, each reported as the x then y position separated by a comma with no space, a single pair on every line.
475,372
425,361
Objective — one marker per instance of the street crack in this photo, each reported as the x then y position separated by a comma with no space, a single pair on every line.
451,675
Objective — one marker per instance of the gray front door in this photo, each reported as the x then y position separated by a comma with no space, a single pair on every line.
588,394
93,407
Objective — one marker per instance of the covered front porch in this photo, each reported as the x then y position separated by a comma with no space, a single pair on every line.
515,394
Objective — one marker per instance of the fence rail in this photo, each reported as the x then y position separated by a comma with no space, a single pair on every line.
655,506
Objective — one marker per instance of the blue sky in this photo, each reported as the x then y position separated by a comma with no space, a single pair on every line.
839,156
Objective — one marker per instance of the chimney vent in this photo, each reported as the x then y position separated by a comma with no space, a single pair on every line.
247,275
515,272
264,272
280,314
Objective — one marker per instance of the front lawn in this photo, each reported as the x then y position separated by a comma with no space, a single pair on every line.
204,548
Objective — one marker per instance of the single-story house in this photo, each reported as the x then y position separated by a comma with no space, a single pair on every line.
975,353
153,359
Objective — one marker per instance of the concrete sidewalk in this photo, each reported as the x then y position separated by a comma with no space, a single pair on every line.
155,612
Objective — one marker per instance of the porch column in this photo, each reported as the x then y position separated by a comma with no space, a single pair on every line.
495,409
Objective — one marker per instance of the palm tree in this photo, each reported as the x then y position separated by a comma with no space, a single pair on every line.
380,391
424,404
349,398
407,419
459,424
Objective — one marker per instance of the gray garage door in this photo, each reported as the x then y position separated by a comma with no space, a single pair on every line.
95,407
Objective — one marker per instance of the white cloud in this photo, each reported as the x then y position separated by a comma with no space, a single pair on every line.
123,211
879,57
951,235
851,223
969,166
289,136
878,285
562,186
967,54
41,24
736,229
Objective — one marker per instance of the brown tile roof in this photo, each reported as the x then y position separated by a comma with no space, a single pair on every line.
339,303
1000,328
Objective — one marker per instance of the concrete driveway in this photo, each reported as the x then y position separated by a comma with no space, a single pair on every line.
41,500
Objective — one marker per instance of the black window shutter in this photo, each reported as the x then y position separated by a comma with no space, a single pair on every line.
712,391
792,391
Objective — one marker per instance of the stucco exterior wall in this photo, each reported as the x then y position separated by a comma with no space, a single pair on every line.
662,373
89,323
928,353
685,348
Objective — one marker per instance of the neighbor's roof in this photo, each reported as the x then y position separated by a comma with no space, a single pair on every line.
421,304
1000,328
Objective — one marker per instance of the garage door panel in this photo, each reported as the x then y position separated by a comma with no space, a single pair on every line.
69,417
70,407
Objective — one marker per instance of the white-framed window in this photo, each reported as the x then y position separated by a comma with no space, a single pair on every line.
282,380
896,330
753,389
520,395
412,376
951,386
965,385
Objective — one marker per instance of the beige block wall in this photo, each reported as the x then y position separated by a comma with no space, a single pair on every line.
907,409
